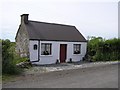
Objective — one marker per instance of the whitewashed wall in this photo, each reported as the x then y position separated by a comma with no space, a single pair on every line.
33,53
49,59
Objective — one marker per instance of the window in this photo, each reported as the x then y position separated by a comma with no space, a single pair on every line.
35,47
46,48
77,48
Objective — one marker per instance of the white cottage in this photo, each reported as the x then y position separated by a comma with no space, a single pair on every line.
45,43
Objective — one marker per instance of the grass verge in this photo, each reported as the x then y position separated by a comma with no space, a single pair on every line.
7,78
0,78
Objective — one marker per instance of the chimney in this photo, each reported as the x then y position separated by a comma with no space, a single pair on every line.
24,18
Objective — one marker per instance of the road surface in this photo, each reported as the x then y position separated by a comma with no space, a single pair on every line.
92,77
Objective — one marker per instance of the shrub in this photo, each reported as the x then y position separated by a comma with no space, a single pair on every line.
8,58
103,50
20,59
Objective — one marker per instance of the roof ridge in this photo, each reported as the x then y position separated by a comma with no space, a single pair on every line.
52,23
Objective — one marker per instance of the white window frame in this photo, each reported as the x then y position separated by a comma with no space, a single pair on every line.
76,47
45,49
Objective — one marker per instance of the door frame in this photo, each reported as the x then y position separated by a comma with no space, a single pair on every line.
63,53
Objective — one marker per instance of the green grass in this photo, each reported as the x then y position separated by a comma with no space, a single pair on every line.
0,78
19,60
7,78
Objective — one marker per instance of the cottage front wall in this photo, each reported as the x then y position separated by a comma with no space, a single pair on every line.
70,52
50,59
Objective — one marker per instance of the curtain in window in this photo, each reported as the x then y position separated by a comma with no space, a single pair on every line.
77,48
42,49
46,49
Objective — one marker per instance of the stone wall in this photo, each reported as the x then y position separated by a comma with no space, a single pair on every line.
22,41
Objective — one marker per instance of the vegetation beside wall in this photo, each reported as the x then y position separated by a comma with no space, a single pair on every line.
10,58
100,49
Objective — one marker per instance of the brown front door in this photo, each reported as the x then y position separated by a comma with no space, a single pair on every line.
63,52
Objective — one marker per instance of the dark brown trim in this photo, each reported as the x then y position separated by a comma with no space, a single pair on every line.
58,40
35,61
38,50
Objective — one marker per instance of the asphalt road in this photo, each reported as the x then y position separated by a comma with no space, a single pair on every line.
93,77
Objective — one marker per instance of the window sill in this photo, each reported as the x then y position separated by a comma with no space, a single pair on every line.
46,55
77,54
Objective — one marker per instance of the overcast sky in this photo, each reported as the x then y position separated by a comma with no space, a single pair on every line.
91,17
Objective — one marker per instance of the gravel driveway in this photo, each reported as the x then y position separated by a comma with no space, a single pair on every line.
65,66
102,75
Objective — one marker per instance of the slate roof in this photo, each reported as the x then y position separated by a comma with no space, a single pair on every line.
53,32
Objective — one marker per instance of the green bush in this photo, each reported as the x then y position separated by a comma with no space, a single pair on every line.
100,49
8,58
19,59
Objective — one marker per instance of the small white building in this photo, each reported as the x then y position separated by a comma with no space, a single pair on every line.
46,43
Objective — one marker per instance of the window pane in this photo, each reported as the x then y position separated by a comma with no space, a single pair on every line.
42,49
77,48
45,49
48,48
74,47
